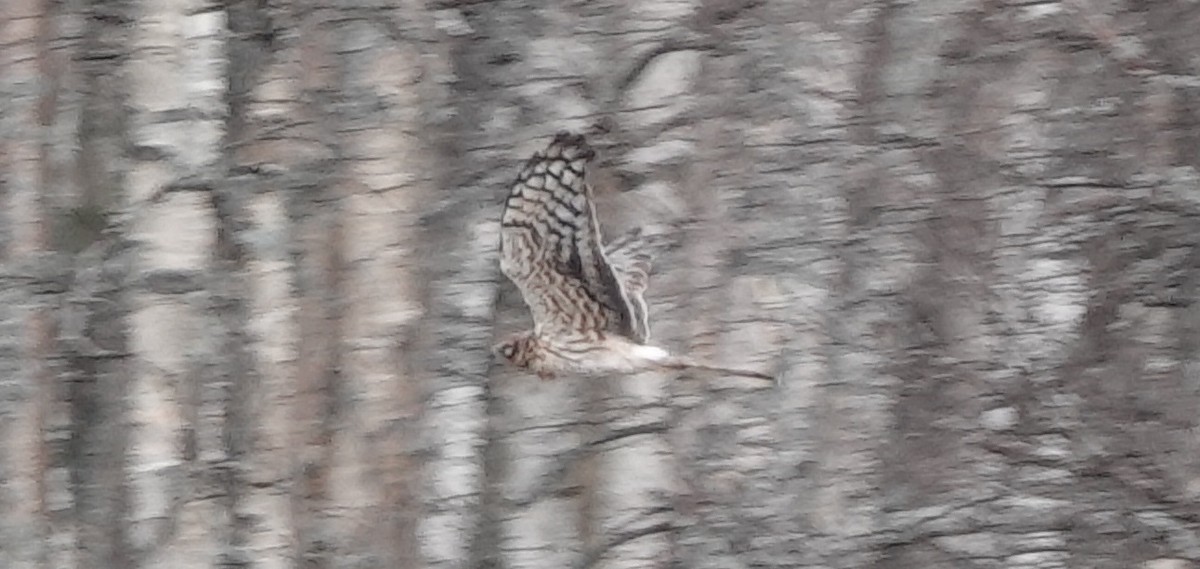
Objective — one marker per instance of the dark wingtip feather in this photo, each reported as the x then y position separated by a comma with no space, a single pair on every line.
563,144
566,141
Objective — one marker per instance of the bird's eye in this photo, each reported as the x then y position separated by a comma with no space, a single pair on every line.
508,350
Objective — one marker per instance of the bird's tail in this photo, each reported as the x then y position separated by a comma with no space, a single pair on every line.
653,356
680,363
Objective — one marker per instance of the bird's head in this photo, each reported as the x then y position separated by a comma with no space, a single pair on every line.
516,349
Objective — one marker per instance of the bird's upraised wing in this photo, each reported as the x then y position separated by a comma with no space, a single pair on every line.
550,247
630,258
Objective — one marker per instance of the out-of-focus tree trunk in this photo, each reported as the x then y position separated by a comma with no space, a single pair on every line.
249,282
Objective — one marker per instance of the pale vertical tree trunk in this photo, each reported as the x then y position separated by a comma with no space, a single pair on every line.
273,133
178,406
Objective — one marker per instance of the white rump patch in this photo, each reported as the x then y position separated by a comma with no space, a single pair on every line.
652,353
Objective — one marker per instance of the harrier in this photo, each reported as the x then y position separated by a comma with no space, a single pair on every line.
589,314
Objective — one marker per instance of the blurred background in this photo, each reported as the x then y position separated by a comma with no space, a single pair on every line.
249,280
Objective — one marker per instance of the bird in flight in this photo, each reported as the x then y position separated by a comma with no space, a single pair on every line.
586,298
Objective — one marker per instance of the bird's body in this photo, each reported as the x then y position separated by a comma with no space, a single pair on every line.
549,358
600,355
587,299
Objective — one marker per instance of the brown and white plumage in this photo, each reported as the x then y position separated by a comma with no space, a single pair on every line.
587,299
